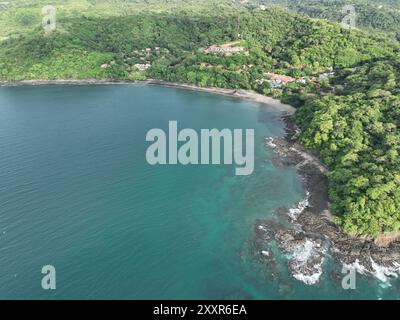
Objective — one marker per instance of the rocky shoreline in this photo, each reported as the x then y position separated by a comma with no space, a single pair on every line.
307,234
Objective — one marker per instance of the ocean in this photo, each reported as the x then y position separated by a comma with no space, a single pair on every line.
77,193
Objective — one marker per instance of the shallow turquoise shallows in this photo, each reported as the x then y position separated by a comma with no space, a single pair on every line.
77,193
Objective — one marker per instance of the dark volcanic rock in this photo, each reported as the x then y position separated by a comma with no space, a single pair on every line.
311,233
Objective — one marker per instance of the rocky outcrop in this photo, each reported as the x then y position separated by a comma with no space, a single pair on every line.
307,233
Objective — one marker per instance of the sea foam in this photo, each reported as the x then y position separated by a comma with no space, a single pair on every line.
306,262
301,206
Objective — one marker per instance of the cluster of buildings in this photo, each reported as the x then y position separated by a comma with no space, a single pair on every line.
106,65
277,80
226,48
142,66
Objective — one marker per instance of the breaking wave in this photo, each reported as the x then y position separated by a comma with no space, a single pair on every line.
380,272
306,262
270,142
301,206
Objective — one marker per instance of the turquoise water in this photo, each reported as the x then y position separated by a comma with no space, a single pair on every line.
76,192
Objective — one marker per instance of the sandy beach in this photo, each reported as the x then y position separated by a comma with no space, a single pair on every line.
234,93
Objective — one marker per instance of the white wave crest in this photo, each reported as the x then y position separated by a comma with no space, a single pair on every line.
306,262
308,279
301,206
383,273
356,266
380,272
265,253
270,142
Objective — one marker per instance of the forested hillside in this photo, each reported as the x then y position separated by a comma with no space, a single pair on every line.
357,133
381,14
345,83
